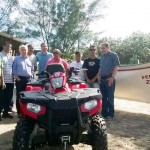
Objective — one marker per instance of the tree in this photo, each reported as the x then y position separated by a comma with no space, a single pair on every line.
6,9
137,45
61,24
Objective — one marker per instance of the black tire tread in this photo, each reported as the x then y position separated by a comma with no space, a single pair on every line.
98,133
22,134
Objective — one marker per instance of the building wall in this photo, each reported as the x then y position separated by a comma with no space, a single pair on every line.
15,43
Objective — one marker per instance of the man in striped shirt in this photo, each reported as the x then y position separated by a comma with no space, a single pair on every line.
8,78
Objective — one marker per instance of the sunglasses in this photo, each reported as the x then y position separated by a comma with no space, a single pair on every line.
55,53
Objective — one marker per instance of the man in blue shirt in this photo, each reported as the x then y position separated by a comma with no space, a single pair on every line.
109,65
23,70
42,57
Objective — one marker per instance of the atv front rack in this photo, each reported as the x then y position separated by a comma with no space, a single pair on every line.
44,97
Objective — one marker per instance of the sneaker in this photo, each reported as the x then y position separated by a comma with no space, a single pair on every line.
7,116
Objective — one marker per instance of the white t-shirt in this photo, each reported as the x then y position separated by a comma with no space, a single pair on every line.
78,65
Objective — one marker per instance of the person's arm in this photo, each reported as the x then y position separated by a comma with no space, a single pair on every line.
116,64
48,62
3,82
66,66
111,79
98,74
15,69
95,78
32,69
115,70
85,72
2,76
35,62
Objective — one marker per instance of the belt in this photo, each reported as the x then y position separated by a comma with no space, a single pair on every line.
24,77
106,77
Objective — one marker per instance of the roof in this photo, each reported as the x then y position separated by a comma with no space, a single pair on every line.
11,37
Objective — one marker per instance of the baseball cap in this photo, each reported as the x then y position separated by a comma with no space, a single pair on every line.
57,51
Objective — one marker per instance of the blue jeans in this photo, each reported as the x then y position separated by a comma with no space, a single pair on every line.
108,98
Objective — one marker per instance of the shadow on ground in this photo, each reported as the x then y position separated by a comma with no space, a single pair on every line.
130,128
128,131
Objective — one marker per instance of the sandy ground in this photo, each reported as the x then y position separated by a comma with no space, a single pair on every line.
129,130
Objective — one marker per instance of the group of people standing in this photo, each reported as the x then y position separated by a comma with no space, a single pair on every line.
99,73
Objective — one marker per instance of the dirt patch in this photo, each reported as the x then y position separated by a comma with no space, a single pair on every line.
129,130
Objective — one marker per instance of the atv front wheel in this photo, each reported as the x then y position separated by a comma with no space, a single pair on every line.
22,134
98,135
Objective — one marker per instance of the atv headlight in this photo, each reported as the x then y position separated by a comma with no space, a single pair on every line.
57,82
34,107
90,105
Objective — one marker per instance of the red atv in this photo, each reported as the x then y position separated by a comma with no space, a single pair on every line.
42,83
60,115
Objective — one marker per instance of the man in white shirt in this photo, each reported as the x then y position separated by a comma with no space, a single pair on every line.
77,64
31,53
8,78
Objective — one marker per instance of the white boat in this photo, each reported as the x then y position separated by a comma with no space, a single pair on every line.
133,82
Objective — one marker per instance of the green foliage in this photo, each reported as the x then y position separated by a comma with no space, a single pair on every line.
7,7
68,56
137,44
62,23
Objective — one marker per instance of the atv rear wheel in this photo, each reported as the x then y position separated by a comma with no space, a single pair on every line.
98,135
22,134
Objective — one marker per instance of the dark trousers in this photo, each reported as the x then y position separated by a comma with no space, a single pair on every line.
20,86
1,99
8,97
108,98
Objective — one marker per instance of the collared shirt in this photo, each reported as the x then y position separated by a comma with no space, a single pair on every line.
33,58
7,70
58,61
42,59
23,66
108,62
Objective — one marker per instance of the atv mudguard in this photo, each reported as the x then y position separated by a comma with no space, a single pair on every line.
47,99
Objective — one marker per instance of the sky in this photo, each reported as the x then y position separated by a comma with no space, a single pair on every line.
123,17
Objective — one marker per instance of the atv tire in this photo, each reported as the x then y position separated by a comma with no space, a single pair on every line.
98,135
23,131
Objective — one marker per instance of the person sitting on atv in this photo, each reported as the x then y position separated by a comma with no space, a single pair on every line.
57,59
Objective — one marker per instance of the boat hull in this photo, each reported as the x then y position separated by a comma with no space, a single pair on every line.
133,82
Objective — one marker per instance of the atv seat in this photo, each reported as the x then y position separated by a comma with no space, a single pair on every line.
51,68
38,82
75,80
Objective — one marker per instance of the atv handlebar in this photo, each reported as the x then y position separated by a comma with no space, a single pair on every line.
44,73
76,71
